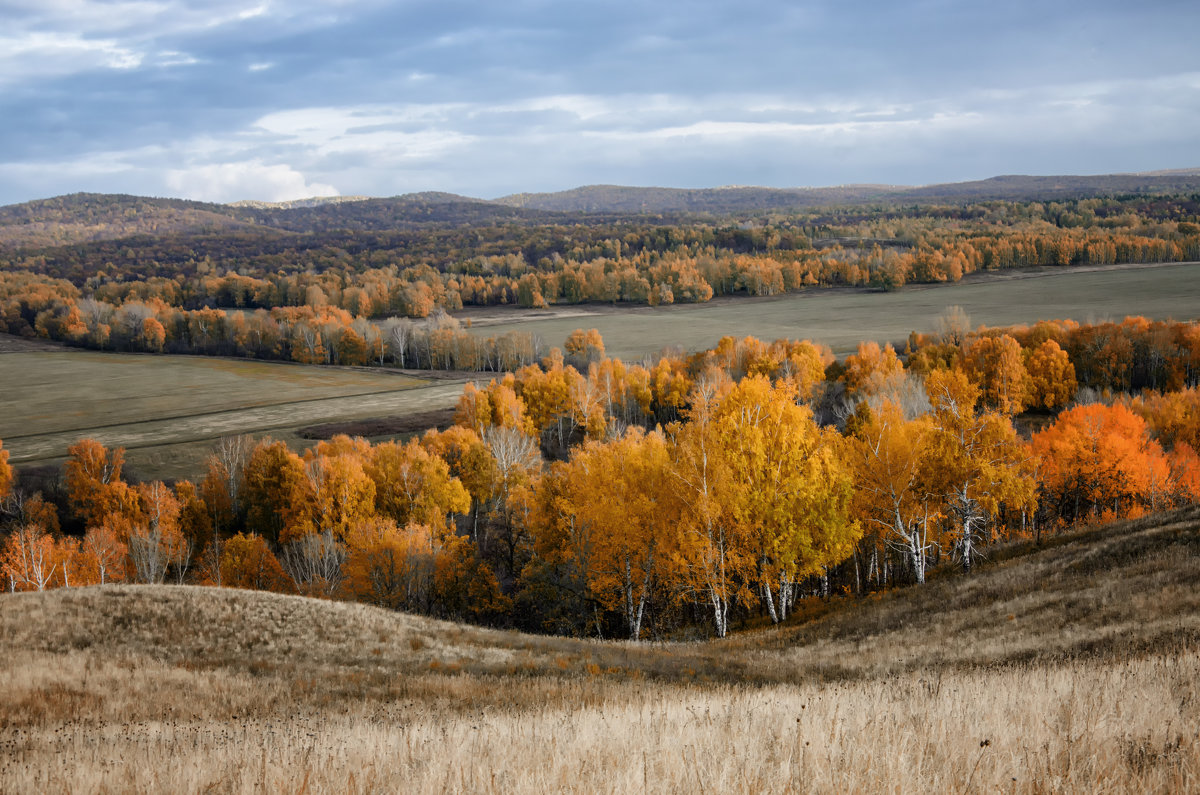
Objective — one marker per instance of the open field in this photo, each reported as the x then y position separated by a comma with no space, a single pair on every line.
841,318
167,411
1066,669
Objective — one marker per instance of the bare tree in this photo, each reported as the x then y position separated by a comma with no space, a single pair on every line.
953,326
314,562
395,332
514,451
908,393
232,453
151,552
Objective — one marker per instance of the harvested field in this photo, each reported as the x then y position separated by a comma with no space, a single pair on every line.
841,318
382,427
168,410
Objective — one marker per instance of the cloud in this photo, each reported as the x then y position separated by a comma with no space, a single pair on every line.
254,179
54,54
557,141
484,98
55,38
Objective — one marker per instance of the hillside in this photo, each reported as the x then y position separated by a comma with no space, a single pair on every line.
1072,667
411,211
730,200
1102,593
91,218
1049,188
733,199
96,218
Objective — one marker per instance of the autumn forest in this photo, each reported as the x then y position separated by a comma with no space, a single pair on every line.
577,493
580,494
379,283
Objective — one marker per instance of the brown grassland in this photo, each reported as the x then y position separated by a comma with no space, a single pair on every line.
1070,667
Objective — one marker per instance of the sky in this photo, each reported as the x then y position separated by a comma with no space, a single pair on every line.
257,99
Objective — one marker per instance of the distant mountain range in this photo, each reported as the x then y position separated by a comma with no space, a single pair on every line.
89,217
734,199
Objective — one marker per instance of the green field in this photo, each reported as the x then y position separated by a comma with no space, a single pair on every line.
168,411
841,318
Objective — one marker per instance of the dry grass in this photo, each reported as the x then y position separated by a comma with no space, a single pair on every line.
841,318
1069,669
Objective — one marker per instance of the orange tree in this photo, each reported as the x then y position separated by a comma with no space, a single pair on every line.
890,457
1096,458
977,464
792,495
6,472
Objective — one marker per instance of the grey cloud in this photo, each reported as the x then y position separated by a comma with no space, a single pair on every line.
482,97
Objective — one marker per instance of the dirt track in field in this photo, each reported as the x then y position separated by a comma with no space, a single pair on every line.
168,411
216,425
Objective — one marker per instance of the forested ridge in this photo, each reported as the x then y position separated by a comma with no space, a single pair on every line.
584,495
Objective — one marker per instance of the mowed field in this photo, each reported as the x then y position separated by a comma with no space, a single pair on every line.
841,318
1074,667
169,411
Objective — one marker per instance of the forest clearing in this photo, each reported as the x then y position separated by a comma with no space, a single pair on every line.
169,411
1067,667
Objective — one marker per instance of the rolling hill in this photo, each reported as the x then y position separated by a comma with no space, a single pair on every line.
89,217
718,201
1073,666
737,199
84,218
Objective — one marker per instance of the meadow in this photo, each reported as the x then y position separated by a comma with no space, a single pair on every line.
842,317
169,411
1004,680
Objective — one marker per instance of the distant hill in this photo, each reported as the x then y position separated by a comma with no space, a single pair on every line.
314,201
88,217
1030,188
397,213
735,199
93,217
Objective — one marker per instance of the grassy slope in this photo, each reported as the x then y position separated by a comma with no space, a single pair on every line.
1078,660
